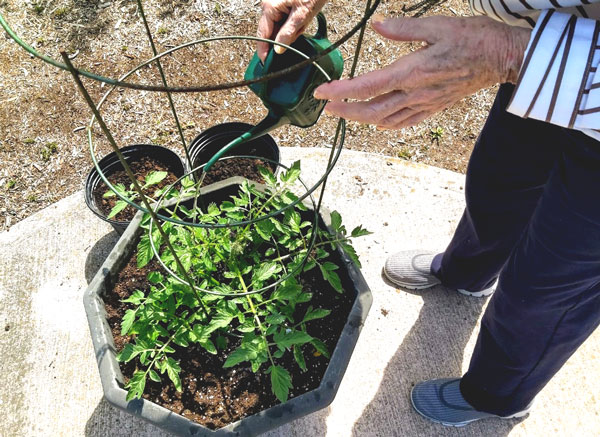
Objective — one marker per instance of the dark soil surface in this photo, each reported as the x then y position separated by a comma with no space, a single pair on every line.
140,168
245,167
213,396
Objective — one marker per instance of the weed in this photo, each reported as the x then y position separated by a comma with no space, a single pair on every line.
49,150
29,141
405,154
61,12
436,134
163,30
11,184
38,8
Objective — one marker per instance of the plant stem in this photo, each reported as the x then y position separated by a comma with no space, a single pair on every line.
260,326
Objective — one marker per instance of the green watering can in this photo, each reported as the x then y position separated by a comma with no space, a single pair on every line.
289,98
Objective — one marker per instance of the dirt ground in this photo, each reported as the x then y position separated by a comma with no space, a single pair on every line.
44,152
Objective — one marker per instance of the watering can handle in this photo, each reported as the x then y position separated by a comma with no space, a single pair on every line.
321,26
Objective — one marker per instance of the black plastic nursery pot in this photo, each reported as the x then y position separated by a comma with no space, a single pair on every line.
210,141
268,419
110,164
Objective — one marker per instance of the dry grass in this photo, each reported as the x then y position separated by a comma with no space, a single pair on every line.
43,150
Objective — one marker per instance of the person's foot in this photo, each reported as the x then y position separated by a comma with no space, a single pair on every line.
412,269
441,401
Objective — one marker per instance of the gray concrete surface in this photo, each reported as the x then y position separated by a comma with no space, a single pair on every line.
48,374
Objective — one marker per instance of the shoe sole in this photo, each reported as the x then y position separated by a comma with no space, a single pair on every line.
409,286
482,293
465,423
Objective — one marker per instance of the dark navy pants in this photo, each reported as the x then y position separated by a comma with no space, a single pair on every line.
532,221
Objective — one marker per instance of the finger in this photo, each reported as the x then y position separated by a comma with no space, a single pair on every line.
293,26
407,29
411,120
268,28
265,30
397,118
369,85
371,111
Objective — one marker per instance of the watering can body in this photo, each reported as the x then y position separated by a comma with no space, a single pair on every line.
290,98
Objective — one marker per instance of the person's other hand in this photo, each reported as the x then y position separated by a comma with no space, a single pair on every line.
461,56
283,21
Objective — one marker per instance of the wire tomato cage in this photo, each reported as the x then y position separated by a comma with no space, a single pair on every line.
158,218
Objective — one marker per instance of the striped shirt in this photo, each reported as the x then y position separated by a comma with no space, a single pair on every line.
558,81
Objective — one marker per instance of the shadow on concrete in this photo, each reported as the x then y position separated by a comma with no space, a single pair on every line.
98,254
107,420
433,348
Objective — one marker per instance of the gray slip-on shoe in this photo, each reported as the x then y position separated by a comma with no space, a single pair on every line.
412,269
441,401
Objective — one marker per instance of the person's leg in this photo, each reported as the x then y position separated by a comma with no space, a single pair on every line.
510,165
548,297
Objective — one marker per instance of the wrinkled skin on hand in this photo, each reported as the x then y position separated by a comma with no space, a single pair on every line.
284,21
460,57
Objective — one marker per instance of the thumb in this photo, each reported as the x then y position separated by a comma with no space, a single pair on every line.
293,26
406,28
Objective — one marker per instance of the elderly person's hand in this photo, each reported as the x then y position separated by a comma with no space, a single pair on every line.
461,56
284,20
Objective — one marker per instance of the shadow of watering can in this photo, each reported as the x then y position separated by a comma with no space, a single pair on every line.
289,99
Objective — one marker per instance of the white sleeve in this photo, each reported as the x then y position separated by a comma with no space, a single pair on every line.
558,82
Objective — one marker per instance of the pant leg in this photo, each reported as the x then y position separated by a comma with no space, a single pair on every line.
507,172
548,297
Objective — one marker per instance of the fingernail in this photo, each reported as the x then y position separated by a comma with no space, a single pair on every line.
279,50
378,18
381,128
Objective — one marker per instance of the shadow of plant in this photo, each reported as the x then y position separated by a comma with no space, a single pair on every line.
433,348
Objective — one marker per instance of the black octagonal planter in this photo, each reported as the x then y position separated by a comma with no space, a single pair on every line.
271,418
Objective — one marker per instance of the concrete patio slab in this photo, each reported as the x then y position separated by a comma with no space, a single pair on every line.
48,374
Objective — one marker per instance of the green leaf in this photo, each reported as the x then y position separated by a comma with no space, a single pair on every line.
287,339
281,382
265,229
155,277
119,206
336,221
219,321
275,319
119,188
129,352
327,269
299,357
267,175
127,322
318,313
287,291
144,252
359,231
320,347
351,253
292,174
335,281
136,385
173,370
136,298
154,376
238,356
209,346
265,271
154,177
